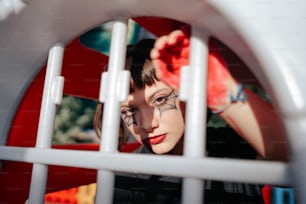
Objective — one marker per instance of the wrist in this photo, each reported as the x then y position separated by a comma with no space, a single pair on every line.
234,96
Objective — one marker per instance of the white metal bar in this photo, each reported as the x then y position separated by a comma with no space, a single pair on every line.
111,111
52,91
296,127
195,135
192,191
105,180
267,172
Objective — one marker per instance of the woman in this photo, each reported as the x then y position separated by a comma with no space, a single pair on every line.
154,115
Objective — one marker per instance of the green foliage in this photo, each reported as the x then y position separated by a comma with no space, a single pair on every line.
99,38
73,116
216,121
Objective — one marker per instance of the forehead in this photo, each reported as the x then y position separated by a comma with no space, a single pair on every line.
145,94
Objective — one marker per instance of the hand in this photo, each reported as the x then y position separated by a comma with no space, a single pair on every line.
172,51
168,55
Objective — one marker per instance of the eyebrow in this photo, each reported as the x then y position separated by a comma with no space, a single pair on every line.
127,104
124,104
156,92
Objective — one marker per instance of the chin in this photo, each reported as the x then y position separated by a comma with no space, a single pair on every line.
160,152
161,149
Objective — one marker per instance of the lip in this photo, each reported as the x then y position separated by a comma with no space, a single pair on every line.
156,139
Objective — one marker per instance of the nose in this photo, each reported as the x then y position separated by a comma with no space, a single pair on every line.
149,119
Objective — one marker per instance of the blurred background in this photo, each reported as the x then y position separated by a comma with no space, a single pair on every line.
74,118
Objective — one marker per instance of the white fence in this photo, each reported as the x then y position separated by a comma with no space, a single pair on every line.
275,64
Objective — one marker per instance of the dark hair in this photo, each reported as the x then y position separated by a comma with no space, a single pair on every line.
139,63
97,123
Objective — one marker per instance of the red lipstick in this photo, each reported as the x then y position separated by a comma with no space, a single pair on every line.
156,139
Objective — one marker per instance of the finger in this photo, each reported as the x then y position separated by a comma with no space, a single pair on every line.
155,54
175,50
161,43
177,41
160,47
185,52
176,37
157,69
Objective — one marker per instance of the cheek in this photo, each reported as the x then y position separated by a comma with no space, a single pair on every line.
176,115
173,118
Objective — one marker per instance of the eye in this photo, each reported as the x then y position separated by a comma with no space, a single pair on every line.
128,112
160,100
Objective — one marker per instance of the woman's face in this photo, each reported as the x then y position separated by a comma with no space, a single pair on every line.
154,116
